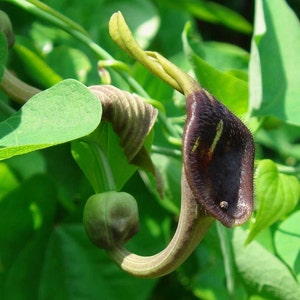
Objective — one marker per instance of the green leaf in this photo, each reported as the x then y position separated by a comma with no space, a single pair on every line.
86,155
72,187
23,212
28,164
225,57
8,180
85,271
262,272
170,169
170,35
75,64
65,112
26,215
27,264
277,194
141,15
283,139
215,13
225,238
38,69
230,90
210,279
274,77
287,242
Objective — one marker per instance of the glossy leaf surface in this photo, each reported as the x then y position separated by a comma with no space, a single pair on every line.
62,113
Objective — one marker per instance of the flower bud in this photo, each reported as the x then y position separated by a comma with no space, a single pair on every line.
110,219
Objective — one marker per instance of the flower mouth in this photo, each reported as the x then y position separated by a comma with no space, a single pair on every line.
218,159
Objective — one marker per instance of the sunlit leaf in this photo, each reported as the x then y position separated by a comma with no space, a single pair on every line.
277,194
224,56
86,154
274,75
62,113
74,65
230,90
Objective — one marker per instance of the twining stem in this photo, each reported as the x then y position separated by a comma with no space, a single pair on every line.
192,226
42,10
17,89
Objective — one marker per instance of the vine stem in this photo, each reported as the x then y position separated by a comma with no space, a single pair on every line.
41,10
16,88
192,226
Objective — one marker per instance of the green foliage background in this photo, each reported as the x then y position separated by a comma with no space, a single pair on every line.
250,63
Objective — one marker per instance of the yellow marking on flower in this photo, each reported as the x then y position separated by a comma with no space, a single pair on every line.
219,131
196,145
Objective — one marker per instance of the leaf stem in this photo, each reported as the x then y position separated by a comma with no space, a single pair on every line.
225,243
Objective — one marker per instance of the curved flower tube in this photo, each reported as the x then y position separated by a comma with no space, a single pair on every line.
192,226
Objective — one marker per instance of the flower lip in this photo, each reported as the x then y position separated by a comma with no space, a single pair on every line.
218,152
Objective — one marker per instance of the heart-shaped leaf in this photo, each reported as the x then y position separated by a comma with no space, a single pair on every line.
64,112
277,194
